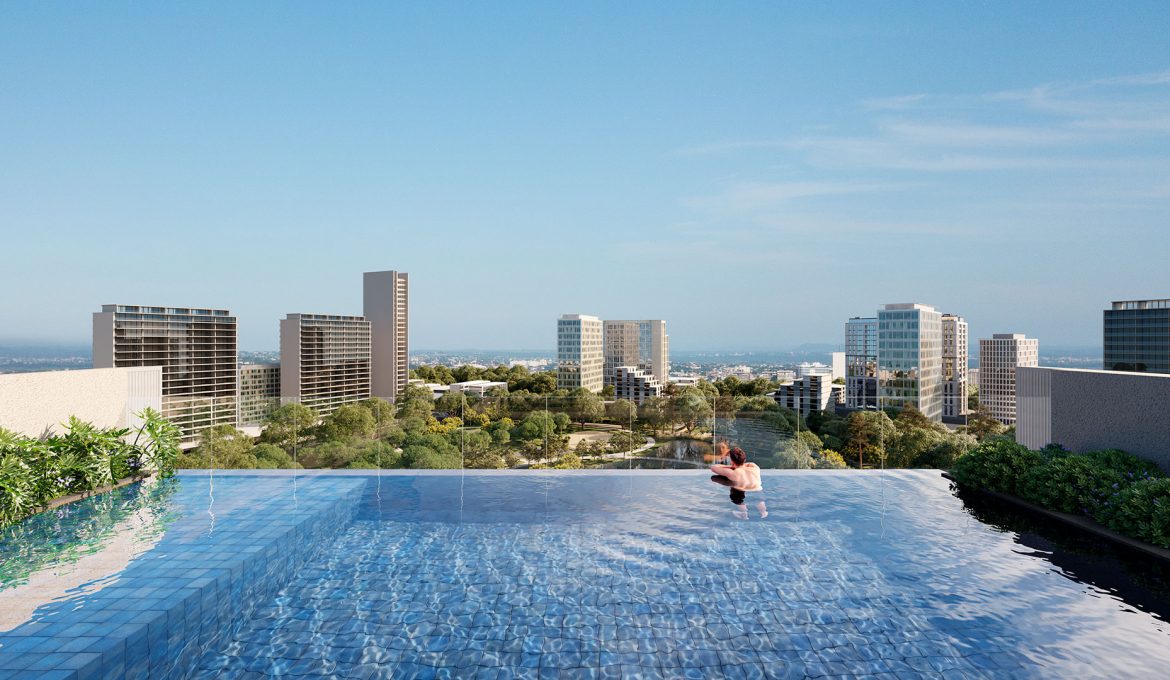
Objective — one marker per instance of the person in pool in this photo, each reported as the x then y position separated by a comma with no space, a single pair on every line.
740,475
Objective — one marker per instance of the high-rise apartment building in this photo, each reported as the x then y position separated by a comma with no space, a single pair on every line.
998,358
259,393
1137,336
641,344
196,349
954,366
910,358
580,359
325,360
386,304
861,347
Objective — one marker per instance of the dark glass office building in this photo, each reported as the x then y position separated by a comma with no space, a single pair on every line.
1137,336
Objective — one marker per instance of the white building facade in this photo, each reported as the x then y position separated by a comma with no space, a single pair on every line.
999,356
635,384
477,388
809,394
580,358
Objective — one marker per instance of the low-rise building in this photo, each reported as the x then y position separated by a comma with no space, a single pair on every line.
685,380
811,393
814,368
437,389
478,388
635,384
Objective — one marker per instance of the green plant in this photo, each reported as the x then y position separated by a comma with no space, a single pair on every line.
1140,510
83,458
1072,484
160,450
996,465
1124,463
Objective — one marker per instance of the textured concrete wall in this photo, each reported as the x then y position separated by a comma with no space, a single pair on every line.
33,403
1089,410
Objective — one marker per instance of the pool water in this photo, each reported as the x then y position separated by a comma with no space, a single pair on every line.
607,574
657,575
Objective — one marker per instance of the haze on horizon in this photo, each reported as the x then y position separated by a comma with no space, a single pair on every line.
754,174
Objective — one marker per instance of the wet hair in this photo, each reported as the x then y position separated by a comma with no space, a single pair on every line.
737,456
737,496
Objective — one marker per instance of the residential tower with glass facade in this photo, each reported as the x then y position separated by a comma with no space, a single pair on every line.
909,355
861,347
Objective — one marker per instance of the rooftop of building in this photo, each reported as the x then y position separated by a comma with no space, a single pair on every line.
324,317
154,309
1141,304
1100,371
579,317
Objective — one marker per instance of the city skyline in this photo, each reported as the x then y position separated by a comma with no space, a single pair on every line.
754,174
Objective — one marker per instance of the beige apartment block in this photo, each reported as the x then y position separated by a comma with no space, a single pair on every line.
259,393
36,404
999,357
324,360
386,304
196,349
580,360
642,344
954,365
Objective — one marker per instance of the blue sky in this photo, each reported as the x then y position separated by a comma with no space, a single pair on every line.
753,173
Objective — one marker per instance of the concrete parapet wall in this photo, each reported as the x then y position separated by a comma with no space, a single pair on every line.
1084,410
36,403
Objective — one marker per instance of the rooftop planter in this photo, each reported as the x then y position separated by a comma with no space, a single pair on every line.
36,474
1117,493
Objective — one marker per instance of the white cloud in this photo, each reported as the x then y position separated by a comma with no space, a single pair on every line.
746,197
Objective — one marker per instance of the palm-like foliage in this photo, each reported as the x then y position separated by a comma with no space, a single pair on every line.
33,472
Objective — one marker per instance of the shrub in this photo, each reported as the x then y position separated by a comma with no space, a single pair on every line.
1124,463
1073,484
996,465
34,472
828,459
1140,510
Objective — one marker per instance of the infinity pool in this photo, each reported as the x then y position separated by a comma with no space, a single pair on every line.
584,574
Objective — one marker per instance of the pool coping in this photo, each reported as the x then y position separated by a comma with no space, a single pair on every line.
74,497
1085,524
407,472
